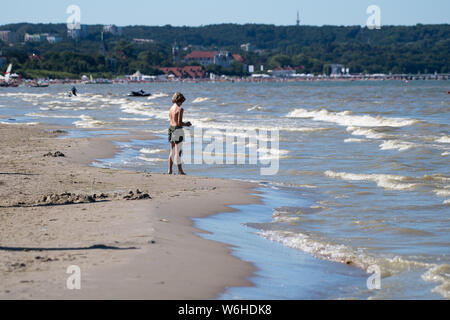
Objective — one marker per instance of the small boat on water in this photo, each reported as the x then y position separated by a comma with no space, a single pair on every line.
141,93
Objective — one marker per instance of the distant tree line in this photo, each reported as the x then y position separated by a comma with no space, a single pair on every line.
396,49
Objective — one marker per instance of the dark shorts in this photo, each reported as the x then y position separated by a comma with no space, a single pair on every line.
176,134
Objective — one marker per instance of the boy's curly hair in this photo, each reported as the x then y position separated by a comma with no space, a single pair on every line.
178,98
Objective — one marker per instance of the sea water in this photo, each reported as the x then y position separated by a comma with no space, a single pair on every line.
364,174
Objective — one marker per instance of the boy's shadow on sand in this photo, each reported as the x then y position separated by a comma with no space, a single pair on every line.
95,247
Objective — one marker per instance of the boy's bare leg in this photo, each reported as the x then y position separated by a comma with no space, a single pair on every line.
170,166
179,152
171,158
180,170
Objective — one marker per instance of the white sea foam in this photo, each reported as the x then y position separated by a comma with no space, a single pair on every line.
152,151
200,123
54,102
257,108
41,115
303,129
135,119
444,139
385,181
20,124
24,94
151,159
144,109
200,99
268,153
439,273
442,192
368,133
361,258
438,177
351,140
89,122
446,153
347,118
158,95
328,251
397,145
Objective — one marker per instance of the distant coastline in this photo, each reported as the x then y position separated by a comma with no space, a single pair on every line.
51,51
430,77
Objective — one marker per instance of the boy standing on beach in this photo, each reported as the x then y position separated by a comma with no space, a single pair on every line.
176,133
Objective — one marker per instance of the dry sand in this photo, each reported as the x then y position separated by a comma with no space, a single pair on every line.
58,211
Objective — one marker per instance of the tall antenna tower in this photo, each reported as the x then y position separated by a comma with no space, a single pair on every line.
298,18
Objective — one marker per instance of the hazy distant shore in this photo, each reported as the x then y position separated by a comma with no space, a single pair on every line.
264,78
56,211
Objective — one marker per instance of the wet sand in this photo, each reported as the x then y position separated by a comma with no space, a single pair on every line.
129,232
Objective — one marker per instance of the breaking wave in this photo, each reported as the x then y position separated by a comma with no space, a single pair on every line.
200,100
144,109
152,151
89,122
386,181
347,118
444,139
158,95
360,258
397,145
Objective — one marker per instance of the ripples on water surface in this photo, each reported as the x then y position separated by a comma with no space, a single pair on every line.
373,156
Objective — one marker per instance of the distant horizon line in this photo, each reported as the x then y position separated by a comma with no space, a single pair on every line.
226,23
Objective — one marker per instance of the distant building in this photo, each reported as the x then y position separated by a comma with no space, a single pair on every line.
336,69
77,34
283,72
193,72
7,36
54,39
223,59
33,37
41,37
206,58
113,29
138,76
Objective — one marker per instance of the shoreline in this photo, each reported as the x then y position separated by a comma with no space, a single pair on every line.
257,79
152,243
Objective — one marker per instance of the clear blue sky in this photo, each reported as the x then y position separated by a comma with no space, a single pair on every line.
202,12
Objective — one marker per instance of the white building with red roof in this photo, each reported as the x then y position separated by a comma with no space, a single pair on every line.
193,72
205,58
283,72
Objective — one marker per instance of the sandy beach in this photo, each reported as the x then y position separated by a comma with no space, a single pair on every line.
130,233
